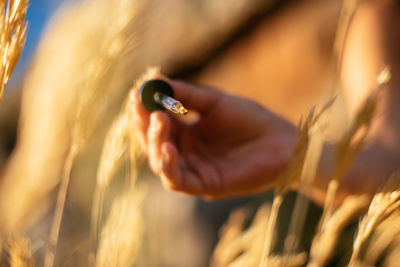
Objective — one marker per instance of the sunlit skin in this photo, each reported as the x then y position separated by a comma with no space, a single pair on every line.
237,147
230,149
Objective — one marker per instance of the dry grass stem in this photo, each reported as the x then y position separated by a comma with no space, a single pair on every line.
114,46
304,129
284,182
238,246
385,236
384,203
12,37
299,153
293,173
229,232
351,143
324,242
59,208
88,104
68,100
293,260
17,252
120,141
271,230
114,148
308,173
114,151
95,81
121,236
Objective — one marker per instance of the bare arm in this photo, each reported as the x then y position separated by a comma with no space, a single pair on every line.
373,42
237,147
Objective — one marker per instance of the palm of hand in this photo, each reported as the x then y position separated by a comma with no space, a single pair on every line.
233,149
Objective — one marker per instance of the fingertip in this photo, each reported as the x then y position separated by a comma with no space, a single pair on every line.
158,116
134,96
160,121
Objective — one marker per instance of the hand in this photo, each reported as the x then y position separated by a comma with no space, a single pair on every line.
235,147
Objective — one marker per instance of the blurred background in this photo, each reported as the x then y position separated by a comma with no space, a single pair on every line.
278,53
38,16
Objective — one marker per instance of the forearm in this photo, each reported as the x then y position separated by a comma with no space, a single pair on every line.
373,42
368,172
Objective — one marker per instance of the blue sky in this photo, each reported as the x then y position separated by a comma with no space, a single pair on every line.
38,14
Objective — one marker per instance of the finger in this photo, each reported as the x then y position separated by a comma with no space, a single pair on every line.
158,133
191,182
171,175
195,97
141,118
176,175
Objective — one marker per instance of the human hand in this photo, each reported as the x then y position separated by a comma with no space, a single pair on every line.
235,147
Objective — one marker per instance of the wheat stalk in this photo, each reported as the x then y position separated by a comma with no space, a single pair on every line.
18,251
284,182
324,242
122,233
114,151
238,246
347,148
384,203
61,197
292,260
88,111
352,142
293,173
120,140
385,235
307,176
12,37
230,231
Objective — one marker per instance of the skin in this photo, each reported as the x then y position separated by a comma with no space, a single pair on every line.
229,150
237,147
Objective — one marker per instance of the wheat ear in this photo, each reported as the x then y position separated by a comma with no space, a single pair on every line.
120,141
89,108
12,37
384,203
324,242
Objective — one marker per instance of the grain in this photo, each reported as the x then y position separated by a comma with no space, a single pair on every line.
384,204
88,111
121,236
12,37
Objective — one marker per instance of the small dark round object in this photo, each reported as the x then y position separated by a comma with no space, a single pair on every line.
149,88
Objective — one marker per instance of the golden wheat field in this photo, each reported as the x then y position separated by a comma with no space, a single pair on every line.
75,186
